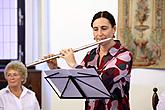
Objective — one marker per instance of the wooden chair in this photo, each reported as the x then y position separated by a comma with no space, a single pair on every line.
3,84
155,98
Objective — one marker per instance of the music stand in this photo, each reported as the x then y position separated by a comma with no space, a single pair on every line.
77,84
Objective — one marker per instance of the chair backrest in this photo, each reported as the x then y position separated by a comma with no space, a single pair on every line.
155,98
3,84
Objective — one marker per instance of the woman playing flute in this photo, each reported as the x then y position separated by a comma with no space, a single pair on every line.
112,61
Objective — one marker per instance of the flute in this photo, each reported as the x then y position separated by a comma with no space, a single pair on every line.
75,50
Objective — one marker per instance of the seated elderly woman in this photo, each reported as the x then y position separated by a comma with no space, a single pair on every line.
15,96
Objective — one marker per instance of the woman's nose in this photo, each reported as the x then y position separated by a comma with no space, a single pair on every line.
100,32
12,77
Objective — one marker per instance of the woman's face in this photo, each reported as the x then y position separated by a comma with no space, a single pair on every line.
14,78
102,29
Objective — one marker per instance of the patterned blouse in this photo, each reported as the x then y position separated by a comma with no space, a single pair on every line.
114,70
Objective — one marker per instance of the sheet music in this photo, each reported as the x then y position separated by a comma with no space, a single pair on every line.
71,83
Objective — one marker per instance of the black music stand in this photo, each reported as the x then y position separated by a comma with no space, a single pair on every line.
77,84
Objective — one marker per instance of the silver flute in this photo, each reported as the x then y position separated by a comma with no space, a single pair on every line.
75,50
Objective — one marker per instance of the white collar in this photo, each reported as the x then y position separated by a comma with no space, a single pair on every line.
25,90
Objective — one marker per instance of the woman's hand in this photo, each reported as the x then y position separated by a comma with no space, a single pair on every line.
68,55
52,64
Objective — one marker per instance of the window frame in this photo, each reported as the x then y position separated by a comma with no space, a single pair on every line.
20,35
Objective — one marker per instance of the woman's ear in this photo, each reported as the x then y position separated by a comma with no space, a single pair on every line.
114,29
23,79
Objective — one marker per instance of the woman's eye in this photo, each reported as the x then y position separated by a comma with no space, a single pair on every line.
95,29
8,75
101,28
14,74
104,28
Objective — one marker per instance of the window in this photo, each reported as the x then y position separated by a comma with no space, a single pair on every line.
12,31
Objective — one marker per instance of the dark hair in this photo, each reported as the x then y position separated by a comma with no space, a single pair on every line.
104,14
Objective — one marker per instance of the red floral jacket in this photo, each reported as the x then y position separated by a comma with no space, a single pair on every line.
114,70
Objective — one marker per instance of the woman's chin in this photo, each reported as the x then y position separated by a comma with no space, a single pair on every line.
13,85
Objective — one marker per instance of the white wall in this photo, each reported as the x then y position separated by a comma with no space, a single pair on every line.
70,25
142,83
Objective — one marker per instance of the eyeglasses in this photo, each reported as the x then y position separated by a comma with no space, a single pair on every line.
13,75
